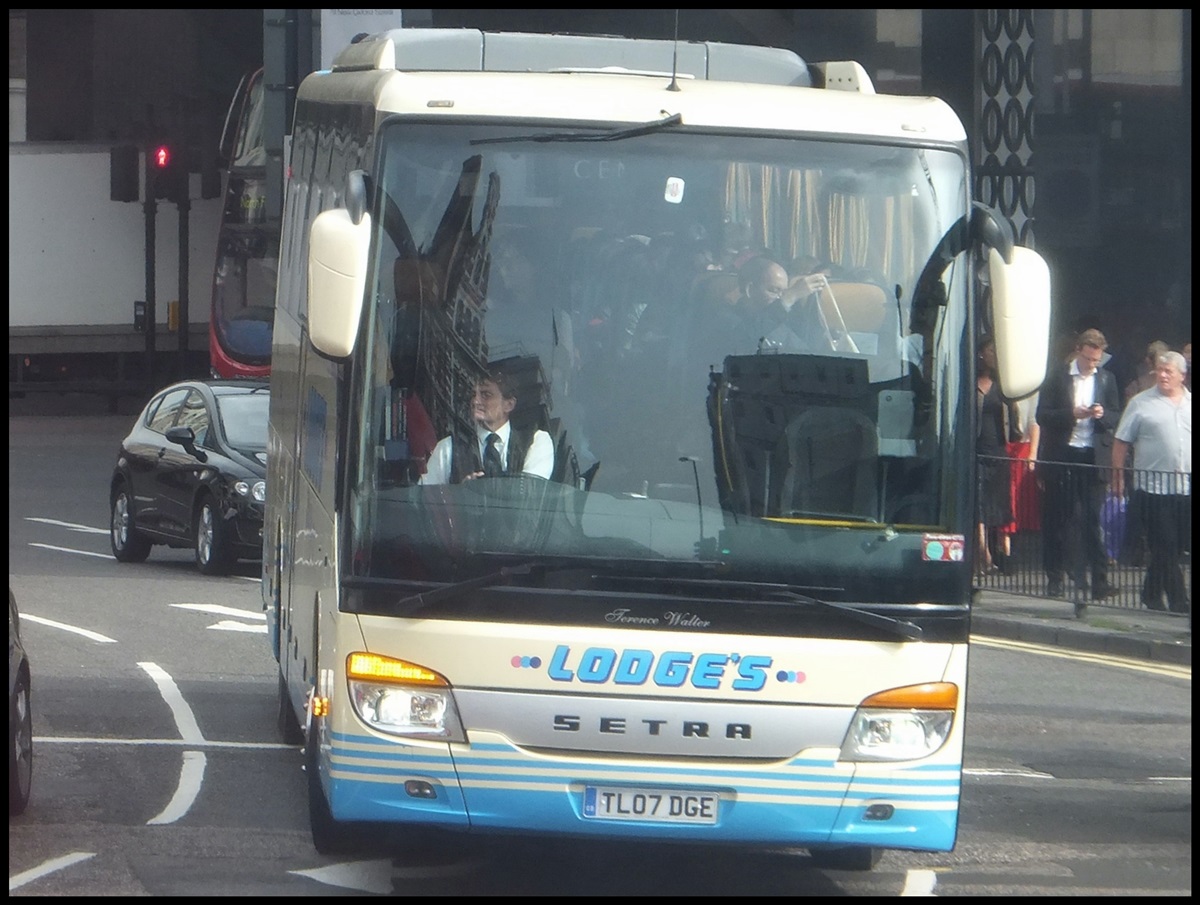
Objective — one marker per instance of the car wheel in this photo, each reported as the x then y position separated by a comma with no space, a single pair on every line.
289,726
20,747
128,544
211,538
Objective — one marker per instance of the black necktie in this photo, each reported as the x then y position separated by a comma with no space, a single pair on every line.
492,467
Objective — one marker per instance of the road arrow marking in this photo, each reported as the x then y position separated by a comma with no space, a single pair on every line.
365,876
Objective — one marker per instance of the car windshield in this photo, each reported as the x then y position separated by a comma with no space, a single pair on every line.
244,418
622,290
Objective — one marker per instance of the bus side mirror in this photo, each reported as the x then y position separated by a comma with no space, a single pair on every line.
337,278
1020,319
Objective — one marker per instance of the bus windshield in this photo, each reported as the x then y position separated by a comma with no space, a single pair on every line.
717,361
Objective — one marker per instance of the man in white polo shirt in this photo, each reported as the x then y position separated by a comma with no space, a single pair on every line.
1157,425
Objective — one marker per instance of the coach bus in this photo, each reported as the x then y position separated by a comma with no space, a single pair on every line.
737,608
243,295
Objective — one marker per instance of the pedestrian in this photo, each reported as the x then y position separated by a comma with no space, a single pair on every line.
1147,370
1024,440
1157,428
994,501
1133,546
1078,409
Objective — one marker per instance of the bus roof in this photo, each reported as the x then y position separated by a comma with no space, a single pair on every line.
464,72
472,50
617,98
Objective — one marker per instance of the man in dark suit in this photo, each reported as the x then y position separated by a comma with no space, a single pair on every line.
1078,410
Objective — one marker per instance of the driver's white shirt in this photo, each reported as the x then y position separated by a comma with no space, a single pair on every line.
538,461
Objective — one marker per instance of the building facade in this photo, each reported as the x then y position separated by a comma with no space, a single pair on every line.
1080,119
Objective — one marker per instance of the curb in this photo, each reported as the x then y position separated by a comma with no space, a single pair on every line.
1137,646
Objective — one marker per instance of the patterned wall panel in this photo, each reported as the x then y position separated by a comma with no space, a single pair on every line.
1004,111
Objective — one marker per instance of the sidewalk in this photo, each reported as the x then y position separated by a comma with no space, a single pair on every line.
1138,634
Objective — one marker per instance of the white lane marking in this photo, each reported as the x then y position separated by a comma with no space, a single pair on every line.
185,720
226,626
86,529
253,578
919,883
1024,774
69,550
191,775
164,742
1150,666
47,867
41,620
191,778
219,610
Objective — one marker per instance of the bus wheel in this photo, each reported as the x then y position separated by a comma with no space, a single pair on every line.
289,726
855,859
211,539
329,836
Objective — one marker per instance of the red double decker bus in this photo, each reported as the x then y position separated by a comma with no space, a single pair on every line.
244,276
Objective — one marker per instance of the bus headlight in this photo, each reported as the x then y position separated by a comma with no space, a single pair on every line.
902,724
402,698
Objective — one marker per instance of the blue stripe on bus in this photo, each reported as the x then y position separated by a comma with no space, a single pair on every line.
536,795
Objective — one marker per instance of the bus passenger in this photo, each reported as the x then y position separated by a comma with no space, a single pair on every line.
499,447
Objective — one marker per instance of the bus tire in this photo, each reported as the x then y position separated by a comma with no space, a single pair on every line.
289,727
128,544
329,836
848,859
211,539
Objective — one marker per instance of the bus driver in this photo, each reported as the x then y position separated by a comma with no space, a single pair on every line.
499,448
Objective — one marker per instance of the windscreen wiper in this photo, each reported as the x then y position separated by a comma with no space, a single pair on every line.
615,135
540,567
417,602
901,627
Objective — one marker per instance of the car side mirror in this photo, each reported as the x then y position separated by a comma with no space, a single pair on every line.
186,437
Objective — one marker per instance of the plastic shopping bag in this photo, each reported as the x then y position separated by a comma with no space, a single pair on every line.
1112,523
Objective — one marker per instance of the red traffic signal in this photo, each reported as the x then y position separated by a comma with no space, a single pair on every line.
166,173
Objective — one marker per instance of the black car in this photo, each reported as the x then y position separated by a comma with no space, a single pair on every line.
20,717
192,473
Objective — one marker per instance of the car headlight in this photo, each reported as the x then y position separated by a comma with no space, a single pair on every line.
902,724
256,490
402,698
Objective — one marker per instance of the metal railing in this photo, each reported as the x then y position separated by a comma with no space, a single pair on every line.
1134,527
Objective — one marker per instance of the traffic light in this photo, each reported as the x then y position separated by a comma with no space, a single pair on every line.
166,171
